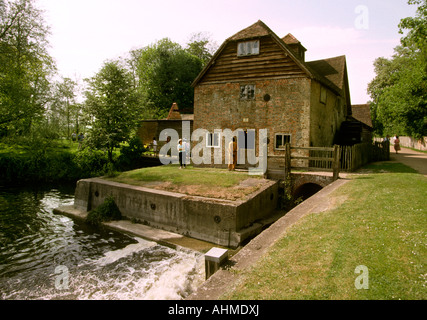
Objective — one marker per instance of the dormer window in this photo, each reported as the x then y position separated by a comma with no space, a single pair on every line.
248,48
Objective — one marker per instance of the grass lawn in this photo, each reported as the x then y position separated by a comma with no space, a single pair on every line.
382,226
215,183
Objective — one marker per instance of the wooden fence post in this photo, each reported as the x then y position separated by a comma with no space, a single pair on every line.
336,163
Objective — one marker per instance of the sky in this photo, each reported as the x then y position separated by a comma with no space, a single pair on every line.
86,33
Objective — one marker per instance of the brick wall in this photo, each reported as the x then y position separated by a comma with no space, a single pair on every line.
218,106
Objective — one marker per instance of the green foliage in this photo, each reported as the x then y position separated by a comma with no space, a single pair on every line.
108,211
131,155
287,200
50,161
417,26
64,112
91,162
400,94
201,46
25,65
111,101
165,72
37,166
399,90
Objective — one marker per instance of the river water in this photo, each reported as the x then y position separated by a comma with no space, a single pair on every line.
49,256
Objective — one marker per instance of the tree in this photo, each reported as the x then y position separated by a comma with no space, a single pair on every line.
64,111
110,100
165,72
25,65
417,27
201,46
399,90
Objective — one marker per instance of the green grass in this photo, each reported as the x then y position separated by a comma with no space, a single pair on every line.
381,225
188,176
217,183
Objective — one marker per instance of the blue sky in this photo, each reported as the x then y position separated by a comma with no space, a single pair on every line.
85,33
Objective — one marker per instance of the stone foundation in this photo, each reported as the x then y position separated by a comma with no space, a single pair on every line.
223,222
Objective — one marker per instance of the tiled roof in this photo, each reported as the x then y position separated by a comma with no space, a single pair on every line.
332,69
290,39
176,114
330,72
258,29
362,113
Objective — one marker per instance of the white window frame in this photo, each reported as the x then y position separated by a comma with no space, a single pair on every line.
210,137
282,147
248,48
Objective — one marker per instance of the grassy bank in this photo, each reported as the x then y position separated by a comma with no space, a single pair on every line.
61,160
216,183
381,225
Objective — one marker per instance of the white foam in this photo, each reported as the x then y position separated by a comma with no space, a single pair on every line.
112,256
176,278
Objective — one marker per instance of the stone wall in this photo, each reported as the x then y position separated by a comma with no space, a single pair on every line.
325,117
419,144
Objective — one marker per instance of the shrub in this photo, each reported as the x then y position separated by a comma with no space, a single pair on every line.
131,156
108,211
91,163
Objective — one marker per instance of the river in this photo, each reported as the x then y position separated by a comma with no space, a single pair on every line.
49,256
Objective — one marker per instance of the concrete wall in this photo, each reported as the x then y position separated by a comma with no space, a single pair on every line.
218,221
419,144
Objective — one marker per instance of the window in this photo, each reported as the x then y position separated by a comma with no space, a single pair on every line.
247,92
246,139
281,140
248,48
212,140
322,95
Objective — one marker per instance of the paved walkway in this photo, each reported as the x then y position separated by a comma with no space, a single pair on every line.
411,158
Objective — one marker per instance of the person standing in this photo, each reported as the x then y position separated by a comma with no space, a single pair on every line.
181,152
397,144
154,145
232,154
80,139
187,152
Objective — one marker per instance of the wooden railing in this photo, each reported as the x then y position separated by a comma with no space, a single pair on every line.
345,158
316,158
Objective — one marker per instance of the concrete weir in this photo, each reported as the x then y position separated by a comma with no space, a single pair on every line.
221,222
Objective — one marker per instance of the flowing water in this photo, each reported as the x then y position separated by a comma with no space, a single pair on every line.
48,256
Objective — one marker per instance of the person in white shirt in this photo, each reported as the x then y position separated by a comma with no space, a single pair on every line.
154,145
181,151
